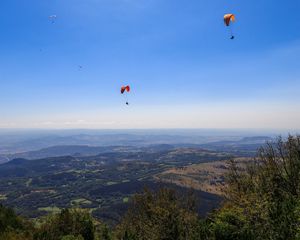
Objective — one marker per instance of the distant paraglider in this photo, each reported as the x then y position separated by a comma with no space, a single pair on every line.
52,18
124,91
228,19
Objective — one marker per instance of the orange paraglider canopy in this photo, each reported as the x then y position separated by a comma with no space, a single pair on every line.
229,18
125,88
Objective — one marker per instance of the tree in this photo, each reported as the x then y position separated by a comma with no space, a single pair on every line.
159,215
105,233
8,219
69,222
263,198
13,227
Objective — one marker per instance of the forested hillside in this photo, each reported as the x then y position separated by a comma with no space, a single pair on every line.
262,202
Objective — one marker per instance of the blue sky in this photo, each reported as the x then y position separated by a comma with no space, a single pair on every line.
184,70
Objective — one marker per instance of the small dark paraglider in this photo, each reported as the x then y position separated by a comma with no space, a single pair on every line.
228,19
124,91
52,18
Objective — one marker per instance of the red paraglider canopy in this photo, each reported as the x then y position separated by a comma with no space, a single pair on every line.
125,88
229,18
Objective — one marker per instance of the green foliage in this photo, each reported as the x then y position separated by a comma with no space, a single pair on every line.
13,235
231,224
8,219
159,215
104,233
264,197
69,222
129,236
13,227
72,237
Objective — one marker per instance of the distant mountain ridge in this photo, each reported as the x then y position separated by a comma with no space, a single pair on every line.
63,150
247,143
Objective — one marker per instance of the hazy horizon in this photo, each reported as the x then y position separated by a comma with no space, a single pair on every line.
153,131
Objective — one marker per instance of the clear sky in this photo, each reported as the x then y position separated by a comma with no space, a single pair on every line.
183,69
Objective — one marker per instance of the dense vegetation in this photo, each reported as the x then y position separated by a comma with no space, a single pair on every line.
262,202
160,215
